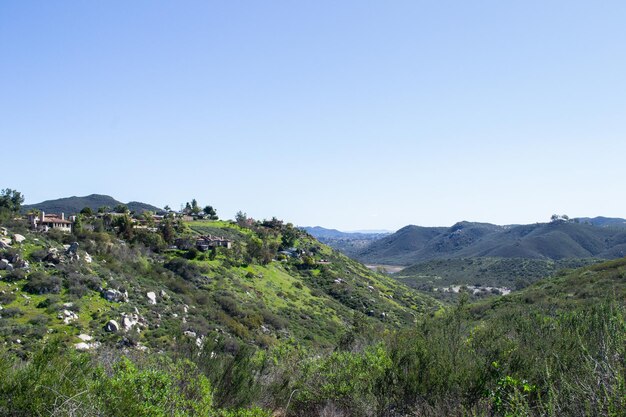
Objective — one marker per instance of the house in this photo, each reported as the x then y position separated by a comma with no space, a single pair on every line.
44,222
205,243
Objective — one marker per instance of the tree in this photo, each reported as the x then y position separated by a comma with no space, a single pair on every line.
241,218
195,208
87,211
167,208
103,209
211,213
121,208
11,200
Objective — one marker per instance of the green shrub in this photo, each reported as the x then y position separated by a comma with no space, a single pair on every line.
40,283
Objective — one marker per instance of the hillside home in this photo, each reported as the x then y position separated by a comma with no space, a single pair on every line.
205,243
44,222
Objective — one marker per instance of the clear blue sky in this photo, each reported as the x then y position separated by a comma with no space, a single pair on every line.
347,114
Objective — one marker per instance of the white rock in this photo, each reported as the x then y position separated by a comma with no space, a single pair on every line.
115,295
17,238
164,295
151,297
85,337
82,346
189,333
3,264
112,326
87,258
68,316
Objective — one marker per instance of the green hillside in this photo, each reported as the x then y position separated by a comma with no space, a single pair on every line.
483,274
250,293
135,320
556,240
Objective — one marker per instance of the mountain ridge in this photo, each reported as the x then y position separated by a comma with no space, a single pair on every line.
74,204
555,240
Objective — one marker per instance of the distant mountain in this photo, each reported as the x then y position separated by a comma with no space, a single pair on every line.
73,205
319,232
555,240
348,243
603,221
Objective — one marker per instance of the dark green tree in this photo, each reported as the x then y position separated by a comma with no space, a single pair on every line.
121,208
87,211
11,200
211,213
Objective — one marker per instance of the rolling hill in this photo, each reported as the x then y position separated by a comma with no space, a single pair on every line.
73,205
555,241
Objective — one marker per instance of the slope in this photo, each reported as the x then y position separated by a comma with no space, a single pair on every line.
250,293
554,240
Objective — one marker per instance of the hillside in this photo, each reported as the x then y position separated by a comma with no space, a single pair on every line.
567,290
554,241
252,293
73,205
280,320
484,276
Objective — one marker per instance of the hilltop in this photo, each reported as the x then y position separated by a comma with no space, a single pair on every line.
73,205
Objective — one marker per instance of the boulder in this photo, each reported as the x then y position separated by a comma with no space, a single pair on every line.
190,334
3,231
5,243
85,337
72,249
3,264
9,267
68,316
129,321
164,295
151,297
87,258
115,295
52,256
17,238
112,326
82,346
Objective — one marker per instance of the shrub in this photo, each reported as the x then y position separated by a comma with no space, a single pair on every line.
15,275
12,312
40,283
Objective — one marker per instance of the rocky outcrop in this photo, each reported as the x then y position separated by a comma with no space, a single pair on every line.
17,238
131,321
151,297
68,316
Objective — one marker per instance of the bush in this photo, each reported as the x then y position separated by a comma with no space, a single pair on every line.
12,312
40,283
15,275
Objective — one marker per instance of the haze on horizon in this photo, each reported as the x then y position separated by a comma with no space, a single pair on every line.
348,115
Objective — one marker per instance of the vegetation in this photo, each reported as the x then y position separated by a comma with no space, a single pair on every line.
485,276
133,318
